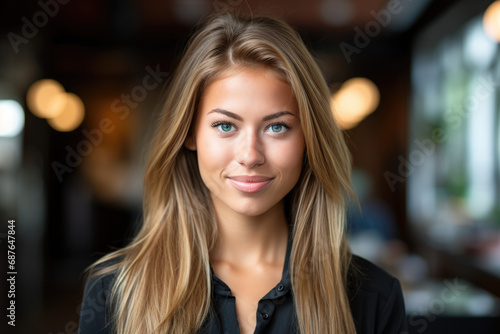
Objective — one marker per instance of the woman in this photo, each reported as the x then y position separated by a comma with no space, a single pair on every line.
244,197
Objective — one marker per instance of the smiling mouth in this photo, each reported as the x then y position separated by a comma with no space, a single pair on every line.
250,184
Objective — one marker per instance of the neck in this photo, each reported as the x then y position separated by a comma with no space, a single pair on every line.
246,241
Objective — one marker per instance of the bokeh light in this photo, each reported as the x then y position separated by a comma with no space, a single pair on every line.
479,50
491,21
46,98
71,116
356,99
11,118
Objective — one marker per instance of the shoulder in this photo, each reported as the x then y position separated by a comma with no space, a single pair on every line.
376,299
101,279
99,285
371,278
95,307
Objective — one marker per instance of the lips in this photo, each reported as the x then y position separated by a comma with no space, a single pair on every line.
249,183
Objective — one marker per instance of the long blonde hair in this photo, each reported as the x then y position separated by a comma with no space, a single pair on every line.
155,275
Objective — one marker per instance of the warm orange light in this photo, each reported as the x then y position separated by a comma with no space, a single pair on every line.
71,116
356,99
491,21
46,98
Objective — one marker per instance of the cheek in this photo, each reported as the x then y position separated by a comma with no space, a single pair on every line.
212,156
290,158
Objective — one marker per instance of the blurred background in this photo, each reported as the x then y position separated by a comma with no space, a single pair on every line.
415,85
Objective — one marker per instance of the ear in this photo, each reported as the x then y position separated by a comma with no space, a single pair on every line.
190,142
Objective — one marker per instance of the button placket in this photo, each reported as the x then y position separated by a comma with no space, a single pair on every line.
266,310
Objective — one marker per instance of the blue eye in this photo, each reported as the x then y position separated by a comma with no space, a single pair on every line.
278,128
224,127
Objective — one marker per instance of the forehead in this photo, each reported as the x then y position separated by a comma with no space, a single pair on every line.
238,69
251,86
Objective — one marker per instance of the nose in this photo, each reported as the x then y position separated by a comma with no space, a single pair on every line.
249,152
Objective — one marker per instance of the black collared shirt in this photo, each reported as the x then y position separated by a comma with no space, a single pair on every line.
375,298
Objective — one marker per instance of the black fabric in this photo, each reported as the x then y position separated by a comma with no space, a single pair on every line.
375,297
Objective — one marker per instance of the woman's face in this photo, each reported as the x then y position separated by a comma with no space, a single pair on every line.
249,141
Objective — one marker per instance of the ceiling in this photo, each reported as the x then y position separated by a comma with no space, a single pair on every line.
139,17
106,37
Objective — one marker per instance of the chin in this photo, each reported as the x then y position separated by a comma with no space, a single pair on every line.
257,209
252,212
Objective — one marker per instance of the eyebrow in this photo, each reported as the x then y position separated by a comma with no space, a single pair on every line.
237,117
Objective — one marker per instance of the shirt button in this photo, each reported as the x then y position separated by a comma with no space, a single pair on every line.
264,316
281,287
